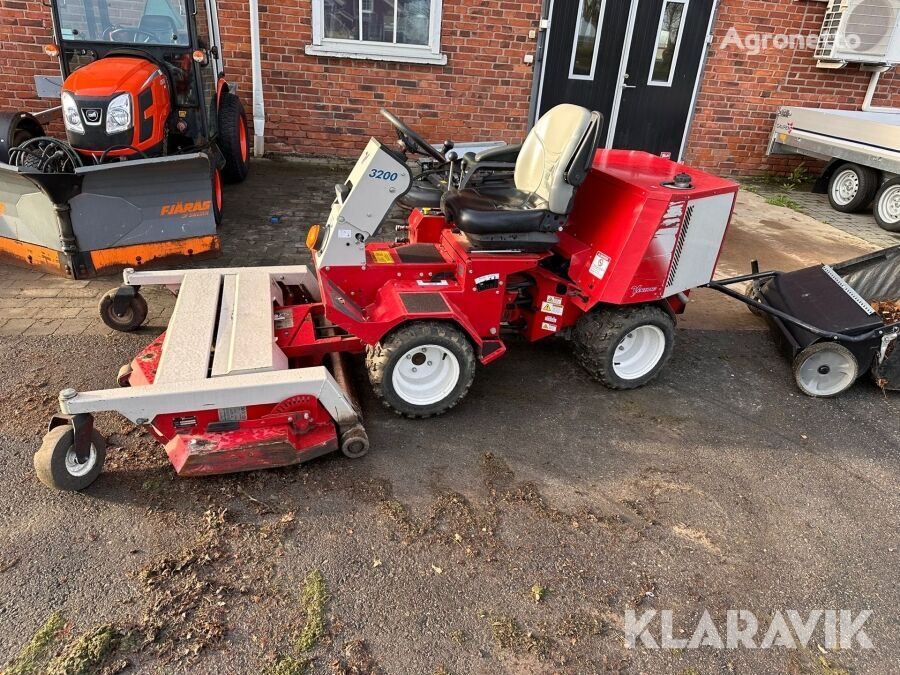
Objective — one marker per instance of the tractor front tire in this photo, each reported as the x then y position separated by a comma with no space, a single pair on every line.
234,139
57,465
624,347
422,369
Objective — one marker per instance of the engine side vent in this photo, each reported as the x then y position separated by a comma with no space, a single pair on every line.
679,245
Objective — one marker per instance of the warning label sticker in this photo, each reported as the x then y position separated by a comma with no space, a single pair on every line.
600,265
552,328
554,300
550,308
550,319
383,257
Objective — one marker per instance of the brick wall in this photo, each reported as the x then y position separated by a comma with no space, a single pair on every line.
324,105
740,93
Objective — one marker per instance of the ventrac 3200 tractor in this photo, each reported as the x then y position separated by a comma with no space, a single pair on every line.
598,246
152,131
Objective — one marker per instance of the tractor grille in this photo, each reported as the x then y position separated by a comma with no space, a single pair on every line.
424,303
679,245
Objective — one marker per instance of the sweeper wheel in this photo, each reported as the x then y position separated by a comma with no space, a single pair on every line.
624,347
131,319
422,369
57,465
825,369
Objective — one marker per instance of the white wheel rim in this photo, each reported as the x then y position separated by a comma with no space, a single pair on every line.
76,468
639,352
425,375
845,187
826,372
889,205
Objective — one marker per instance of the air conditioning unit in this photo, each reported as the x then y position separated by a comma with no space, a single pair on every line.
860,31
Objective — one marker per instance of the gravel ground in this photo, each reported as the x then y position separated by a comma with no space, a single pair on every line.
510,535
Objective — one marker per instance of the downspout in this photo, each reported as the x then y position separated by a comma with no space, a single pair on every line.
870,93
259,105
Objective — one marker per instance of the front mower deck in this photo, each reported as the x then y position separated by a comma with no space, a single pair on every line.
218,390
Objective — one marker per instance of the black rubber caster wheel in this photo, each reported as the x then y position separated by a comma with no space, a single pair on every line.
57,465
131,319
355,442
124,377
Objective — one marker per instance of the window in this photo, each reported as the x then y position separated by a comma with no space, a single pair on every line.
153,22
390,30
587,39
668,42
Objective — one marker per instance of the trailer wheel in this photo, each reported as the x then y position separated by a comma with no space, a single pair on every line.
624,347
825,369
422,369
852,187
133,317
234,140
887,205
57,465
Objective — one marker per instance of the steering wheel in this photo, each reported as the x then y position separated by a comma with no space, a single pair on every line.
111,31
410,139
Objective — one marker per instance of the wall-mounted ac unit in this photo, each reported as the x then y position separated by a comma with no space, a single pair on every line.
860,31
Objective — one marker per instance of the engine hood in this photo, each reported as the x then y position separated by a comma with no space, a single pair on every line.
110,75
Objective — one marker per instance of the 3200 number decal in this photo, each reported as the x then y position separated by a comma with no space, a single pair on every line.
383,175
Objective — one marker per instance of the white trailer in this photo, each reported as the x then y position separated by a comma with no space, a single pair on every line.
862,149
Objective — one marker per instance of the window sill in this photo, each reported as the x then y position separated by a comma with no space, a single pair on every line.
377,53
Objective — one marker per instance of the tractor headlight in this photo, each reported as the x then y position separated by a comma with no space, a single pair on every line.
70,114
118,114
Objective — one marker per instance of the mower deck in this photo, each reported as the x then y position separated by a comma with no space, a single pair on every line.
217,389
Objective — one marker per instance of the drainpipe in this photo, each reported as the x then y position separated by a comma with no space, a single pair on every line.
259,105
870,93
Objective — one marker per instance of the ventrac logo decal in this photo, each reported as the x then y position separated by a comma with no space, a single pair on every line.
187,209
637,289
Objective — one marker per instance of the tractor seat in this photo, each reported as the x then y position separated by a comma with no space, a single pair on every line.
526,215
158,24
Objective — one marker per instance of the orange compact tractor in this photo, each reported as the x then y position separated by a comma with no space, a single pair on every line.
152,132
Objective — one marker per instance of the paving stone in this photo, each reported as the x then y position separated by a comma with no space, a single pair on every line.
83,292
16,326
75,326
40,292
43,327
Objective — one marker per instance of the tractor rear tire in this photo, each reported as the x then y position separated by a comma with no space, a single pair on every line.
234,139
58,467
624,347
422,369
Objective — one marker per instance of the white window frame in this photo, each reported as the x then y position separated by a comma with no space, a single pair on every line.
377,51
662,13
597,38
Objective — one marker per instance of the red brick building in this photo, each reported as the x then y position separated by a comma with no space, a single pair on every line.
480,69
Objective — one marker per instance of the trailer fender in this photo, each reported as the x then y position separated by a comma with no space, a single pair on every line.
16,128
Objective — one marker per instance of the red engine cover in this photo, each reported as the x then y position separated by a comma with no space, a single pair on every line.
96,84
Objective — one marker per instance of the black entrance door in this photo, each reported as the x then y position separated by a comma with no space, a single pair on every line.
583,51
666,54
648,102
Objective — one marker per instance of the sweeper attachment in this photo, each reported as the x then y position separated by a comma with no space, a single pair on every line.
152,131
599,247
826,318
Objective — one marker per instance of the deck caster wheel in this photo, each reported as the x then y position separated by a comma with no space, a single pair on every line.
624,347
422,369
825,369
355,442
125,320
124,377
57,464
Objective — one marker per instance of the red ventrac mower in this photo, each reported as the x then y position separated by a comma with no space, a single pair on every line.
600,246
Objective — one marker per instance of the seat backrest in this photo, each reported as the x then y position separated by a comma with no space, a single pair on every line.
158,23
557,153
